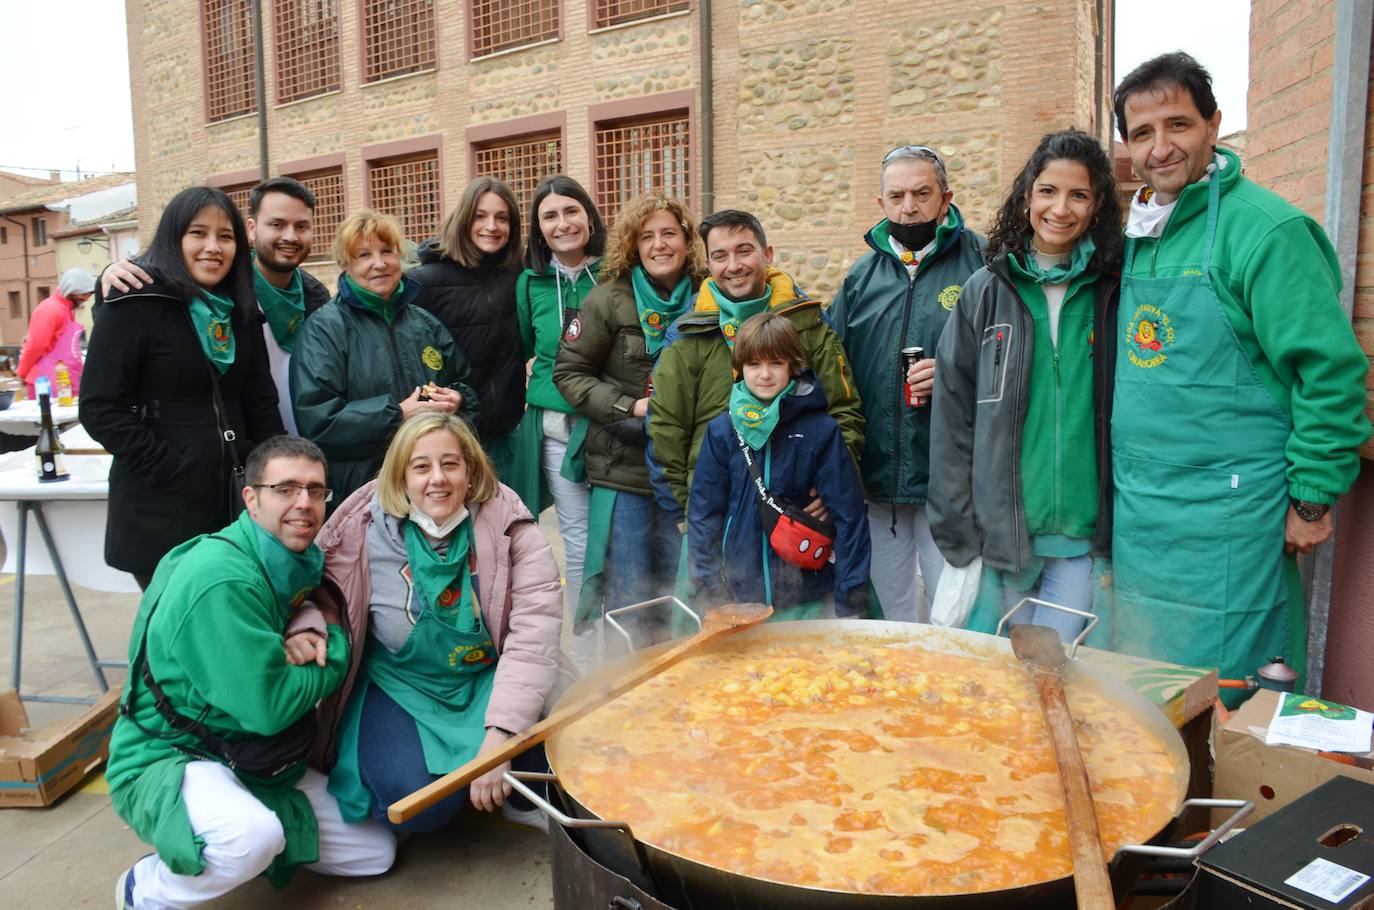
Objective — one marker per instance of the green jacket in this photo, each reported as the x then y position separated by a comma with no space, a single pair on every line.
881,310
1279,282
214,645
603,369
544,306
350,371
693,378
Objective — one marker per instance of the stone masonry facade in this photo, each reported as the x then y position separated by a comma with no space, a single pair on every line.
808,96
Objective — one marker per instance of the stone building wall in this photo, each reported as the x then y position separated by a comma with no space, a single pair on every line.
809,94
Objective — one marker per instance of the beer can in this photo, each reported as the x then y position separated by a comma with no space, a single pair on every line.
909,357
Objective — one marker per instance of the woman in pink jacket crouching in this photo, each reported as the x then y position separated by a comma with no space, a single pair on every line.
452,599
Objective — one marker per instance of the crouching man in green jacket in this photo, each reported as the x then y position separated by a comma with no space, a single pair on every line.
207,760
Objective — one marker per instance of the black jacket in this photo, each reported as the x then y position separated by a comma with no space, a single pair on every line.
316,294
146,397
477,306
975,507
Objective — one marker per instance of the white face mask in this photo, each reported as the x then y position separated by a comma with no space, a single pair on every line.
438,531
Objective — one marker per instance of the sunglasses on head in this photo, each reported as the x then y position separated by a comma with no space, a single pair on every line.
914,151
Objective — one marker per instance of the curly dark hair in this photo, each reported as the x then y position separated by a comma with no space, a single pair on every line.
1012,227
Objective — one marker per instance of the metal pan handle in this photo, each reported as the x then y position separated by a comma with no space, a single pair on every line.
644,605
1243,809
1092,619
517,778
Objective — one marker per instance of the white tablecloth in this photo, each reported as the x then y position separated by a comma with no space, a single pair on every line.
75,510
22,418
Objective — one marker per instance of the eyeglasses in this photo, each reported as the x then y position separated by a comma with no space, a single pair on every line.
289,491
914,151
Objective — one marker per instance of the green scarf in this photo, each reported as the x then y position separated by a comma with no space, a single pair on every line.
210,315
284,309
291,575
656,314
374,302
1062,273
444,583
734,312
751,418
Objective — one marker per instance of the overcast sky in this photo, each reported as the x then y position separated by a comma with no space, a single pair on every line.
67,63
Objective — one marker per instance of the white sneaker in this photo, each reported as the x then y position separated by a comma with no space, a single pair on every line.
530,818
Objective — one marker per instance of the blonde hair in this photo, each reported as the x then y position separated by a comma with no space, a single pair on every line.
768,336
391,479
361,227
622,249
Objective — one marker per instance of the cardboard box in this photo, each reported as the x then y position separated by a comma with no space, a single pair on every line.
1272,776
38,766
1313,854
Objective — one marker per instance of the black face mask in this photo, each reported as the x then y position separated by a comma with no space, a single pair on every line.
913,236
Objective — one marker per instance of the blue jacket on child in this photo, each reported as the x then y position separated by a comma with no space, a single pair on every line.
726,542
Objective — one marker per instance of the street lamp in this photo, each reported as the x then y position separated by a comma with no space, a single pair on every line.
85,244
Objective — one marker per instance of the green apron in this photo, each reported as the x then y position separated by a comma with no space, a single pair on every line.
519,461
1201,492
442,677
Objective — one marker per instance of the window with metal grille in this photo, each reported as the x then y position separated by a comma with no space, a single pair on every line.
328,187
645,155
521,162
498,25
408,188
398,37
238,194
231,83
618,12
307,33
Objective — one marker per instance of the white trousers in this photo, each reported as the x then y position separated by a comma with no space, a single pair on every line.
242,836
896,559
570,503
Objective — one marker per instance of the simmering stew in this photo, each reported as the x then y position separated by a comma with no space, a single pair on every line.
860,764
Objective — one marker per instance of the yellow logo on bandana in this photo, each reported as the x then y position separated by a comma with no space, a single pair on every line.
950,296
431,358
1148,334
218,330
728,330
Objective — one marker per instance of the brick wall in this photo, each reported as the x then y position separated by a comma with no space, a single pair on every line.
809,94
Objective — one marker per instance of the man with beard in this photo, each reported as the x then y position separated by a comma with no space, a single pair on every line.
280,227
693,377
898,296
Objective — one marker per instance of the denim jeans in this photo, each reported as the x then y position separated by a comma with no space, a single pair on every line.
391,763
1067,582
641,563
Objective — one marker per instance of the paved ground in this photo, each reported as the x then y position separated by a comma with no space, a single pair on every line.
69,855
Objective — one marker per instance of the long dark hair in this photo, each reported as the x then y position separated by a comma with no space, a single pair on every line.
537,252
1011,230
454,234
164,253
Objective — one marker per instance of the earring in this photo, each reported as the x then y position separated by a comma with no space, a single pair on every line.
1028,213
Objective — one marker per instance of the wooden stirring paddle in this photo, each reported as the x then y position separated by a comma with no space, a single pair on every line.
718,622
1039,648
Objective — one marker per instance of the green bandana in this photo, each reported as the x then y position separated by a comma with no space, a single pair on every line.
210,315
444,583
292,575
734,312
1062,273
374,302
655,313
753,419
284,309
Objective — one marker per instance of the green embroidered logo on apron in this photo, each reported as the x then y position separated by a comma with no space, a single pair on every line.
1147,334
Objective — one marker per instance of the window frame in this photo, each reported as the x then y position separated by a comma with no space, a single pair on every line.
632,112
364,77
684,7
401,152
470,37
307,168
40,231
280,60
506,132
250,68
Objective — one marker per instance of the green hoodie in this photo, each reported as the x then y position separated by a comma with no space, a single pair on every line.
539,313
1278,280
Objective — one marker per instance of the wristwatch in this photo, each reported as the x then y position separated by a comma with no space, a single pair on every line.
1310,511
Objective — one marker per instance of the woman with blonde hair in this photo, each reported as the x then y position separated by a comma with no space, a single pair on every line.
654,258
451,596
467,280
369,359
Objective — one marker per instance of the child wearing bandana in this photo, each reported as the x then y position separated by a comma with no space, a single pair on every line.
778,412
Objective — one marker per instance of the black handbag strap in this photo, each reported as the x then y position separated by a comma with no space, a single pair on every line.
761,489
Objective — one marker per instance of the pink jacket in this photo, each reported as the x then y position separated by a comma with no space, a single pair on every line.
54,334
522,603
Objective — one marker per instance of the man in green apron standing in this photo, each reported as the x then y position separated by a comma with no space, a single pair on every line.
1239,403
207,760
